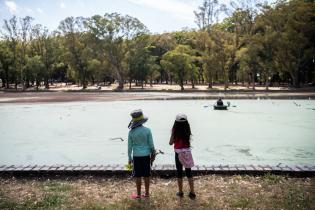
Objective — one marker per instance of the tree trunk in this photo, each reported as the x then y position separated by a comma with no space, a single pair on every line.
37,85
267,82
7,78
27,83
267,85
181,83
84,85
22,80
248,79
46,82
3,82
253,79
296,80
226,84
120,83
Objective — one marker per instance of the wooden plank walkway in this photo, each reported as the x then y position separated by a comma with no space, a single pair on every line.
308,170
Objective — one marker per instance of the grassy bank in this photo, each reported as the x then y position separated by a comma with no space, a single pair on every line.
213,192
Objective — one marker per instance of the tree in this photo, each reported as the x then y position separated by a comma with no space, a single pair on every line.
6,63
44,45
11,35
208,13
180,62
153,68
248,63
94,68
256,42
207,64
24,38
114,32
140,63
35,69
295,46
75,40
288,31
162,43
224,52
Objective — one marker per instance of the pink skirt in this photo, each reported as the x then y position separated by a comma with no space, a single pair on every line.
185,157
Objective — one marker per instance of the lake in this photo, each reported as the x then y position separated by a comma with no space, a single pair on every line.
250,132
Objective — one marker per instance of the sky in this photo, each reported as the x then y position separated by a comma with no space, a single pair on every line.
158,15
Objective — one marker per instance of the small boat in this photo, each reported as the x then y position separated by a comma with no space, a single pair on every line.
220,107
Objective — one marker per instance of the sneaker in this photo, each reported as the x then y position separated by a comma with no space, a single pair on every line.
135,196
192,195
145,196
180,194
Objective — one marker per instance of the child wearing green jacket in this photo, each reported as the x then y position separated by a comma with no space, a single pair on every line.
140,148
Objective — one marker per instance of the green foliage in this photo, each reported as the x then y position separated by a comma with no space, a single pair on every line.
242,202
139,61
57,187
254,44
272,178
6,63
34,69
114,32
296,198
179,62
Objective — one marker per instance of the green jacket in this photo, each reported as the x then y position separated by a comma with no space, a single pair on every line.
140,142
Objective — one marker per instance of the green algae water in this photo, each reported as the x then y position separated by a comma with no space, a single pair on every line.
250,132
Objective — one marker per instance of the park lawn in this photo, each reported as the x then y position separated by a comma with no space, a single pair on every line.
213,192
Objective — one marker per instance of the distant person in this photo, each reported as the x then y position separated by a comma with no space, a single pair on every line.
181,136
220,102
140,147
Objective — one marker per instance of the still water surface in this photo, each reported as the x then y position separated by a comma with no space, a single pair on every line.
250,132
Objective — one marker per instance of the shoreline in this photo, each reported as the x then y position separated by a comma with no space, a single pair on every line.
101,96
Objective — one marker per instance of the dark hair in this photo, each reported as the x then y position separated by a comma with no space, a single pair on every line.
181,130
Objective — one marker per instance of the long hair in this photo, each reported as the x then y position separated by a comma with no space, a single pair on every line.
181,130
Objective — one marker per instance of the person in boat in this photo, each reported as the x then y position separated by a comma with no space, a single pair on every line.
220,102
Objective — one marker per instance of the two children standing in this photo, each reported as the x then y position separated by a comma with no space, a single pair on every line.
141,151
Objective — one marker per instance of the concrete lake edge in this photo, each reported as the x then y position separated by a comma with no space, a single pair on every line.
167,170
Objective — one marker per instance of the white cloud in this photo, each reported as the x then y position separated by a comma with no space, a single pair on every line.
62,5
184,17
178,9
39,10
81,3
28,10
11,6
